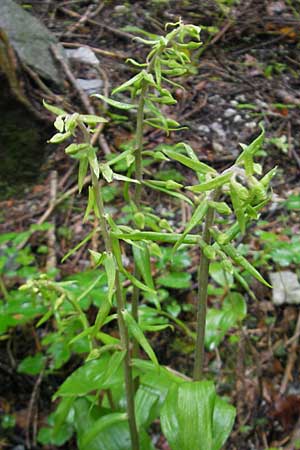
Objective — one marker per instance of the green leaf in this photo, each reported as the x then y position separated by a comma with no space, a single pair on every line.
100,425
194,221
133,81
238,207
223,420
81,243
251,149
91,119
87,378
32,365
54,109
93,161
197,166
214,183
59,124
110,268
235,303
186,416
168,192
114,103
240,260
142,259
59,137
293,202
107,173
91,205
136,331
175,280
83,167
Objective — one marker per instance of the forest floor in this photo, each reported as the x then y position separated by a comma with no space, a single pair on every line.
247,71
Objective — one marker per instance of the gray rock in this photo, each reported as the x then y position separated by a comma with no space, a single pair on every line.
251,125
234,102
90,86
286,288
218,129
238,119
203,129
229,112
30,39
84,55
217,147
241,98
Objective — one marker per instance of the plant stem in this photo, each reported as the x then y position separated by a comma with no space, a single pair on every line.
129,388
137,197
202,299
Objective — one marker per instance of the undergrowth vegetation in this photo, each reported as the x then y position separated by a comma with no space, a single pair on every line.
104,317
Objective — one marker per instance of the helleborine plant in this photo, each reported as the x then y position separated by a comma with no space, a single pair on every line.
92,400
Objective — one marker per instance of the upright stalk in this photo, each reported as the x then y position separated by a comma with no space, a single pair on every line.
129,388
203,271
137,195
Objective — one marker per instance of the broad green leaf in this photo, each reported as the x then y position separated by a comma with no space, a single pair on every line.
113,367
194,221
235,303
175,280
136,331
223,420
87,378
197,166
220,275
100,425
54,109
32,365
114,103
83,167
214,183
142,259
187,416
61,413
146,401
110,268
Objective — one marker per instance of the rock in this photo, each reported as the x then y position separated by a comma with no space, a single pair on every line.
30,39
238,118
286,288
90,86
234,102
216,99
217,147
251,125
218,129
83,55
241,98
229,112
203,129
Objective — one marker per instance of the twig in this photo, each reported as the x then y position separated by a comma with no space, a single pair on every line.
120,33
100,51
83,97
31,406
291,358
